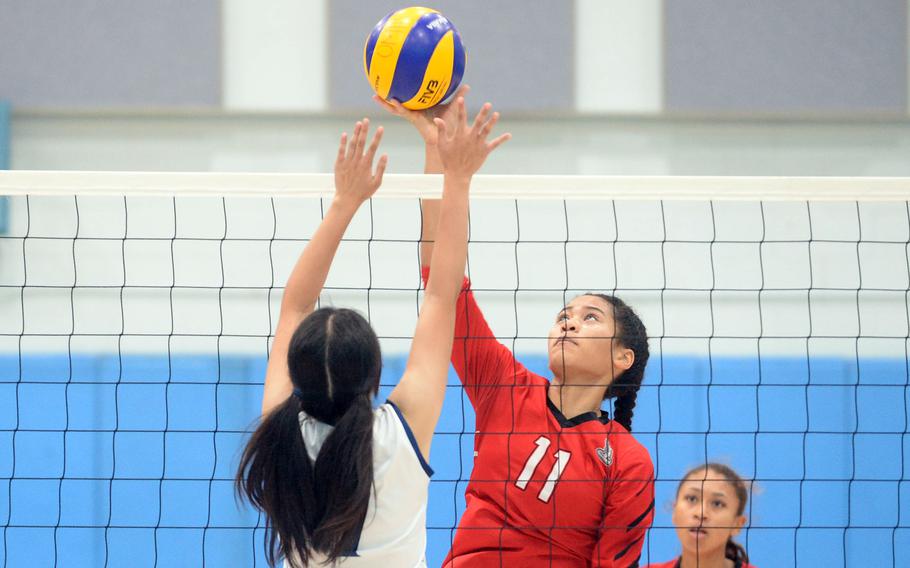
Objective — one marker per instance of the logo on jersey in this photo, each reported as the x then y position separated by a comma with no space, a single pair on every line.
606,453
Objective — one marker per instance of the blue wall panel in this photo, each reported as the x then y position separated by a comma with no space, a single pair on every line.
123,461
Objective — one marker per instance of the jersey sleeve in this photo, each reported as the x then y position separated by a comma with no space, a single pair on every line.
627,515
485,366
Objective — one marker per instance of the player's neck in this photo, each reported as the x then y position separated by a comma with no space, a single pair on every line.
574,400
691,560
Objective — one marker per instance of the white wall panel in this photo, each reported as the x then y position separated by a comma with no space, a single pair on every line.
275,55
619,56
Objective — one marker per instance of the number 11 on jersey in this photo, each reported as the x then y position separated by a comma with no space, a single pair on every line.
562,460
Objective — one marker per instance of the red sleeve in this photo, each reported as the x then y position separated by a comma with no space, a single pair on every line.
628,514
485,366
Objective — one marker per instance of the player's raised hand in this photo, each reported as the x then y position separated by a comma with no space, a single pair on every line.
355,180
463,148
423,119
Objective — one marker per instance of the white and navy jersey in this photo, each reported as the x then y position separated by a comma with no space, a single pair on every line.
394,533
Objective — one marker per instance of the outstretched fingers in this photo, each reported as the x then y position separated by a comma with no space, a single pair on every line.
352,144
488,126
380,170
481,118
355,178
342,149
374,145
461,114
498,141
362,138
442,129
462,91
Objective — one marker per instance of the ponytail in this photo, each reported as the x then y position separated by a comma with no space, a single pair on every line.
276,476
317,506
344,475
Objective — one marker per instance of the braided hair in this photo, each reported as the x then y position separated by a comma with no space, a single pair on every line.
630,333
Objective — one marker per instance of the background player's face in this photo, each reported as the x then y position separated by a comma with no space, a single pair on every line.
706,514
582,341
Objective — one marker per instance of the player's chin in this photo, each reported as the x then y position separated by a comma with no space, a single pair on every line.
566,365
558,360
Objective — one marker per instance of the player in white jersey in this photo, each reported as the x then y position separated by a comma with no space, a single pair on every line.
342,483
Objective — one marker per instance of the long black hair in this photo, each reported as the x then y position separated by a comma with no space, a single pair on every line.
733,551
334,363
630,333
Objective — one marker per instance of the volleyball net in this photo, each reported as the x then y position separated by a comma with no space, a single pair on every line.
136,312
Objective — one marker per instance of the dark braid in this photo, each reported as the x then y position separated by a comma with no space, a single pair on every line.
736,553
630,333
624,408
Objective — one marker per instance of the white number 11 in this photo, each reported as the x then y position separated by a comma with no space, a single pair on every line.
562,460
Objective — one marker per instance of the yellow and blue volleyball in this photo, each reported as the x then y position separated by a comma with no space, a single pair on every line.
414,56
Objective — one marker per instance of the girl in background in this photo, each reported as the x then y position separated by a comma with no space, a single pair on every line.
707,514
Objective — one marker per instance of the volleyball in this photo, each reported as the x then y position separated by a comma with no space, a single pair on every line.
415,56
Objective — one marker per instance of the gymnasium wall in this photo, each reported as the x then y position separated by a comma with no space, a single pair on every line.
4,161
807,57
802,58
96,54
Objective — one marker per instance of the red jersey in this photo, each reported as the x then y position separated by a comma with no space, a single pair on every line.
675,564
546,490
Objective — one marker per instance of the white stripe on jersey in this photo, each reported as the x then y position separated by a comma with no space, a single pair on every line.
394,532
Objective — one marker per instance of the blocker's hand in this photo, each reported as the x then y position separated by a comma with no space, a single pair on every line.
464,149
355,181
423,119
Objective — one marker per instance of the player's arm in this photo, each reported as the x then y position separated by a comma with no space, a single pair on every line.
482,359
421,390
627,516
355,182
422,120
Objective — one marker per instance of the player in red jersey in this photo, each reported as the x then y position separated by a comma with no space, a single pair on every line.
556,482
707,514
